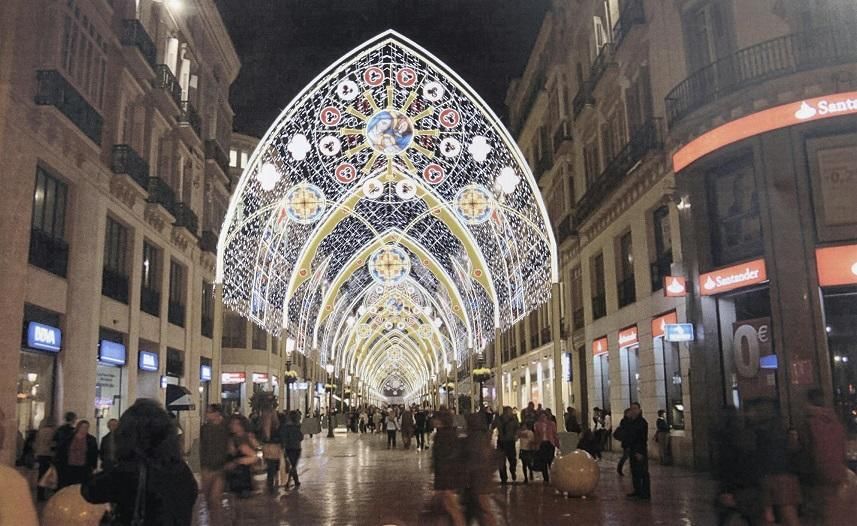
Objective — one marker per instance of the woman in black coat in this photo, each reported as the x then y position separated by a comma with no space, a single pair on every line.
147,451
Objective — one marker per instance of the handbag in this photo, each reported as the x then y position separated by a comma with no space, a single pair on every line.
50,480
271,451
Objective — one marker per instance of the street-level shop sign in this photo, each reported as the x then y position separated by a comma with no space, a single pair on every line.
260,378
836,265
148,361
659,324
43,337
599,346
734,277
678,332
232,378
205,373
628,337
111,352
675,286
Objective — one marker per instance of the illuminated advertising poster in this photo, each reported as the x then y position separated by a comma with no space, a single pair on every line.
837,265
599,346
755,361
628,337
837,170
734,277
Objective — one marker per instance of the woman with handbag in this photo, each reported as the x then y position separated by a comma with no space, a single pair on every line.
545,431
269,436
150,485
242,457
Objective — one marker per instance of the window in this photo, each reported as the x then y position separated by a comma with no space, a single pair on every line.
207,321
233,158
48,248
736,229
234,331
626,288
84,54
243,160
706,34
599,297
663,247
576,298
591,162
114,277
638,100
176,311
175,363
150,291
260,338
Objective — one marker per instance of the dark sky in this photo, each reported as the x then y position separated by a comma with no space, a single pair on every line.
284,44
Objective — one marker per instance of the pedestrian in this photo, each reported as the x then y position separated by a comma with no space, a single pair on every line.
636,437
16,504
572,425
590,443
620,434
213,450
376,420
824,446
527,451
662,438
528,416
607,434
77,456
392,426
507,432
291,438
446,463
479,461
242,456
149,470
364,420
420,420
43,448
268,434
107,451
546,437
406,423
550,415
65,431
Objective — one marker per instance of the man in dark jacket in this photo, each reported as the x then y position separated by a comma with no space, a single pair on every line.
291,437
420,419
572,424
107,451
65,431
636,436
507,432
213,454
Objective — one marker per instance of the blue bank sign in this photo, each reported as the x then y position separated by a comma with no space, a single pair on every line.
148,361
43,337
111,352
678,332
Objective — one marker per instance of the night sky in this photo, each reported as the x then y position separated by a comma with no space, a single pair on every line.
284,44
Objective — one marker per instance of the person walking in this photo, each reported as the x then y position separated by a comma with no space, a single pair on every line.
43,449
376,420
107,451
406,423
420,419
572,424
392,426
291,437
619,434
507,433
662,438
242,456
636,437
65,431
528,416
546,437
268,434
824,442
527,452
213,449
77,456
479,468
149,469
446,463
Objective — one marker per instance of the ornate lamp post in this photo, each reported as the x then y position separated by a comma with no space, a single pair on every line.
481,374
290,378
329,388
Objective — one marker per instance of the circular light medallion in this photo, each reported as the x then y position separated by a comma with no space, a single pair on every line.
345,173
449,118
329,146
433,91
347,90
305,203
373,76
450,147
474,204
406,189
389,132
389,265
433,173
424,330
373,188
364,331
406,77
330,116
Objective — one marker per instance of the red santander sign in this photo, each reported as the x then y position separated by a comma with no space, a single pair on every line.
659,323
599,346
836,265
734,277
628,337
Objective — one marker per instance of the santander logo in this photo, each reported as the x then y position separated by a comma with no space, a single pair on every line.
826,107
805,111
730,278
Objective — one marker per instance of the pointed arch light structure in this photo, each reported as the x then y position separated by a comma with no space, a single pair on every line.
387,221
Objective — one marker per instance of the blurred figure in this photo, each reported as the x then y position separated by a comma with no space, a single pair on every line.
147,454
43,448
65,431
269,435
507,432
824,447
364,420
636,437
213,449
242,455
590,443
734,466
420,420
572,424
391,426
16,504
406,422
607,434
662,438
550,415
107,452
446,463
291,438
77,456
546,437
527,451
479,462
620,435
528,416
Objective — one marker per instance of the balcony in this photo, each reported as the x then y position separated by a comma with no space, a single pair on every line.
583,98
585,95
660,269
48,253
189,118
175,313
646,138
627,291
543,165
565,229
577,320
599,306
125,161
536,88
208,241
186,218
114,285
135,35
167,84
765,61
150,301
562,138
631,15
160,193
54,90
214,152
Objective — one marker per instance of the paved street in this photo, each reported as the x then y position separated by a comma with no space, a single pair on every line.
355,480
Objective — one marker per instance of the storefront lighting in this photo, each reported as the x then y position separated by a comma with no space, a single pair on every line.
837,358
679,407
829,329
32,377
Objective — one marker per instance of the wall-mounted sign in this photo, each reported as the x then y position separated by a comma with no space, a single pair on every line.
260,378
43,337
232,378
675,286
111,352
659,324
833,105
299,385
205,373
836,265
756,372
148,361
678,332
628,337
599,346
734,277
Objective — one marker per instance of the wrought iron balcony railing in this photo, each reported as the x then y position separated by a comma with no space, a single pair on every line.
764,61
632,14
124,160
661,268
561,136
54,90
134,34
577,320
48,252
186,217
168,82
599,306
208,241
190,117
175,313
216,153
627,291
583,98
160,193
646,138
207,326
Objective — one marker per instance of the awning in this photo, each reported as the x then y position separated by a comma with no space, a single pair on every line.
179,398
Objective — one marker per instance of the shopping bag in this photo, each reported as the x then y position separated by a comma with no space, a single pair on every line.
50,480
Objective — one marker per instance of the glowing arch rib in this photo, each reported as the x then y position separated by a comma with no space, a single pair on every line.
387,139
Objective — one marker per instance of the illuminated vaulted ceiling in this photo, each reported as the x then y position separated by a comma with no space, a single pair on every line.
387,221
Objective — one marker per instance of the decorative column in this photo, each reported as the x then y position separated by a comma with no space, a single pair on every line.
556,335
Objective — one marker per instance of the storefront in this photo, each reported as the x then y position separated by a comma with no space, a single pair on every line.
204,385
629,356
669,392
42,341
232,392
109,374
601,365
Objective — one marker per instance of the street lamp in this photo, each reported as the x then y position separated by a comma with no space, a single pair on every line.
329,388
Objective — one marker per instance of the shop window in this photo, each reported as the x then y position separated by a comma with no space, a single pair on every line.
204,387
602,372
48,248
176,311
662,265
626,288
207,310
631,357
108,386
736,228
114,277
150,286
36,374
175,363
599,296
840,314
577,319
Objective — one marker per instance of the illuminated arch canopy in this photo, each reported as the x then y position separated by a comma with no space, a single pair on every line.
387,221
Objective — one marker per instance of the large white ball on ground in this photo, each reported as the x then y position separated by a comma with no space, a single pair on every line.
576,473
67,508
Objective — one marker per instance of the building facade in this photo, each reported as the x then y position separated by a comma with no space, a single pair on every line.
621,112
115,128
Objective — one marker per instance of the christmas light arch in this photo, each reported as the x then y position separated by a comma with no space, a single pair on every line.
387,179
